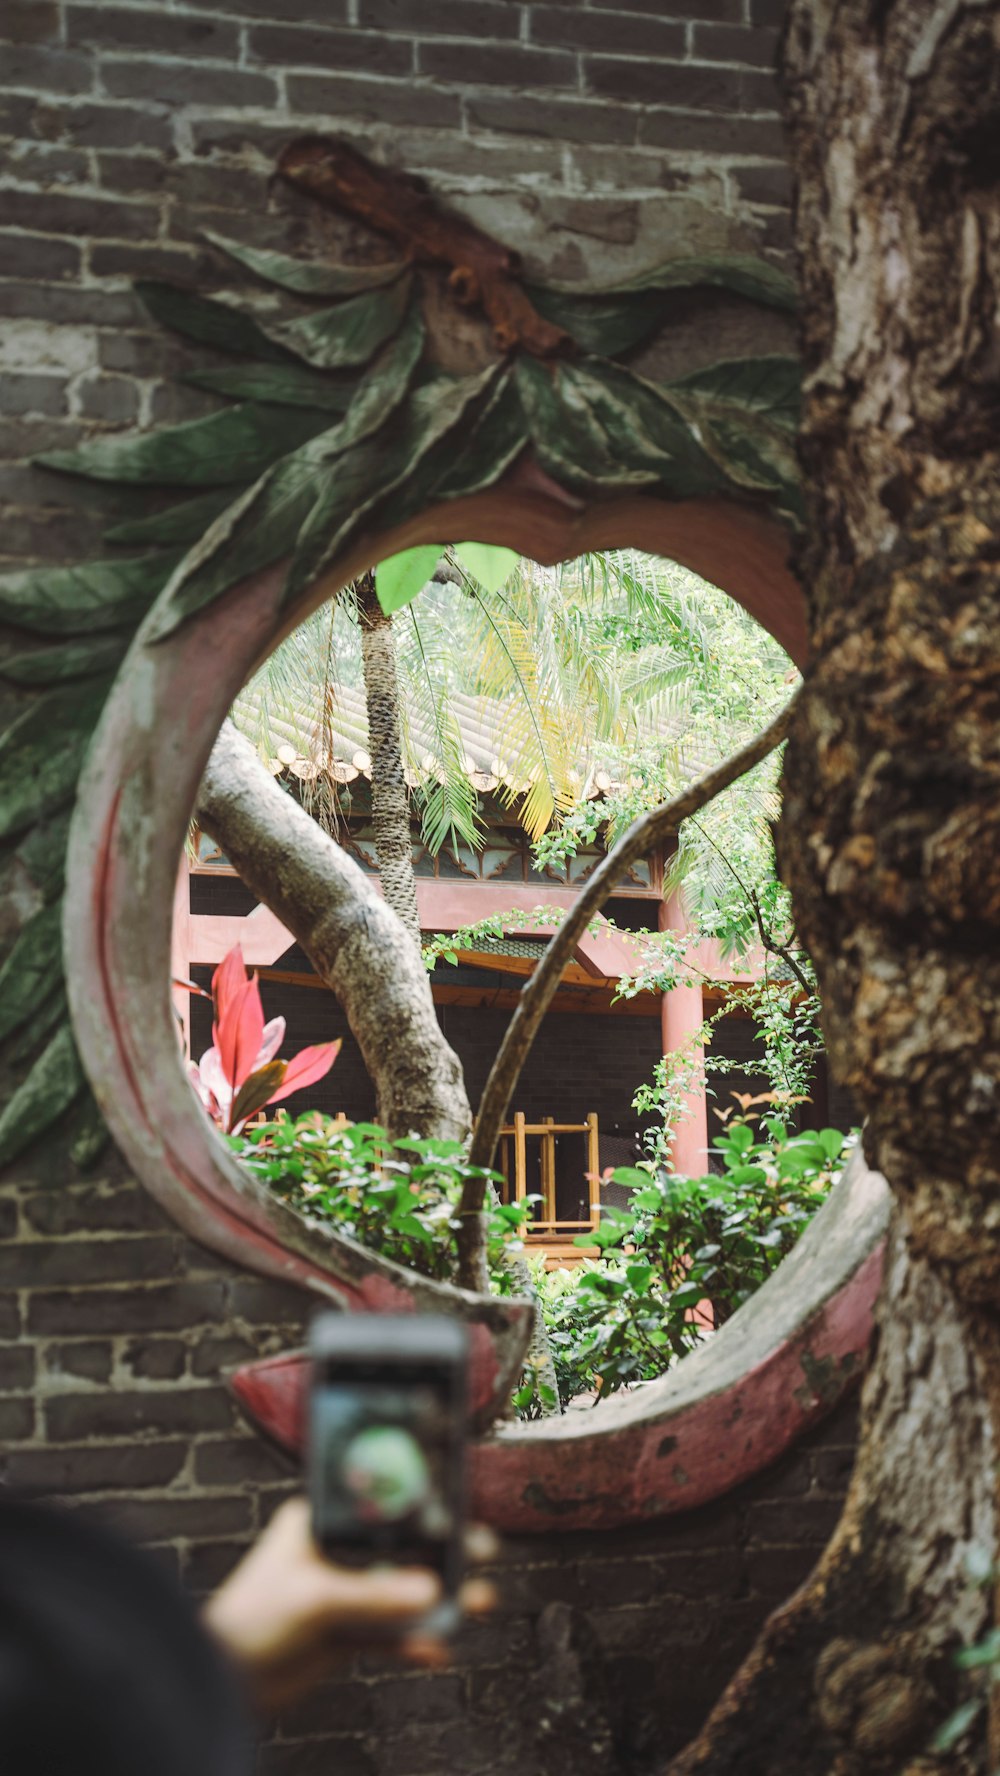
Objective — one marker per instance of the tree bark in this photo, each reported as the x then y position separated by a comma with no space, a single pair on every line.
353,939
390,802
889,842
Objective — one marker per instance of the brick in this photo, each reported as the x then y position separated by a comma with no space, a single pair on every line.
152,30
131,172
37,1263
44,70
768,12
10,1317
809,1521
774,1573
617,33
216,1353
474,19
8,1207
207,1564
29,21
17,1420
415,1699
506,65
695,88
155,1359
93,1209
315,1757
113,1468
268,1303
367,100
88,1359
180,262
706,132
113,399
764,184
298,46
56,213
186,83
564,120
71,1418
682,9
240,1462
162,1307
47,163
17,1368
747,45
166,1519
323,12
105,126
833,1469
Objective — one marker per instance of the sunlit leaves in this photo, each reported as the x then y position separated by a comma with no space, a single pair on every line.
399,578
489,564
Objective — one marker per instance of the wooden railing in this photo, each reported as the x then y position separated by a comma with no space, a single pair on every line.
513,1164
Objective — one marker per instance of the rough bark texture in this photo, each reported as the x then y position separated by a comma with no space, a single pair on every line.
889,840
390,802
353,939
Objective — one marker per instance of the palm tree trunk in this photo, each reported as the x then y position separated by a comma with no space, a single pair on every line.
390,802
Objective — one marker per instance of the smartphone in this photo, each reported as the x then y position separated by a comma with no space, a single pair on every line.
387,1435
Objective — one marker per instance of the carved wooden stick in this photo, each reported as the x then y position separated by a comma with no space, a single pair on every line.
483,272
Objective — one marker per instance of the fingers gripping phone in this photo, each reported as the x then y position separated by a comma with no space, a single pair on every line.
387,1434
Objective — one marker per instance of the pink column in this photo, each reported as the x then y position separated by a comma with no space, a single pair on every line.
681,1015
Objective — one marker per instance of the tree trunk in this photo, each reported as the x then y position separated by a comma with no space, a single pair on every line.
889,842
390,802
353,939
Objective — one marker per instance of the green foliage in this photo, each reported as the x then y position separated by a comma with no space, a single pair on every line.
306,277
681,1243
398,1197
399,578
94,597
230,447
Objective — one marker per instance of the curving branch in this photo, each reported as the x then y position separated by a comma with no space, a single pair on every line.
537,995
353,939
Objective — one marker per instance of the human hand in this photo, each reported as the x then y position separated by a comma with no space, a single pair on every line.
287,1616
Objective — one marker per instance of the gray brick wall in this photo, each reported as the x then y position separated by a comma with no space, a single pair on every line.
116,1335
589,135
586,133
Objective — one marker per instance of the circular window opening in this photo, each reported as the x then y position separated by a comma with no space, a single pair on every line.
149,1101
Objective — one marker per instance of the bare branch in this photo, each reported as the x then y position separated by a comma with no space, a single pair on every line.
537,994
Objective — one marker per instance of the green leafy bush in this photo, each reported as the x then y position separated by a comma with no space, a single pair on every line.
682,1247
398,1197
620,1318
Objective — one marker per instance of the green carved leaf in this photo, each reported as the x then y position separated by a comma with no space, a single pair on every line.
746,411
208,322
32,970
306,277
42,751
90,1133
409,451
182,522
771,386
495,439
262,526
399,578
42,854
96,596
280,385
595,425
606,325
351,333
50,1088
742,273
72,660
235,445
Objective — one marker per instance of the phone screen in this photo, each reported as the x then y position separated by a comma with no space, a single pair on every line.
383,1456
